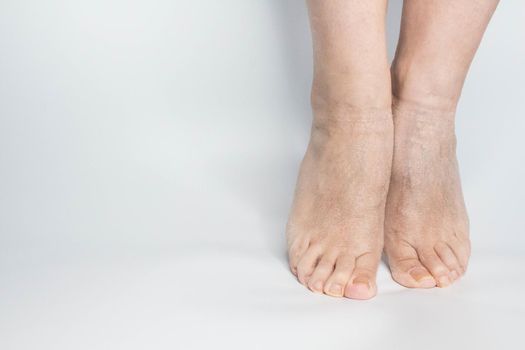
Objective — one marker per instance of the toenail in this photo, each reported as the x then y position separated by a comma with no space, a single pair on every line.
454,275
306,279
444,281
420,274
361,280
318,286
359,289
336,289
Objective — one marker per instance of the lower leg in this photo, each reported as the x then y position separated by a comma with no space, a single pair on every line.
426,225
437,43
335,229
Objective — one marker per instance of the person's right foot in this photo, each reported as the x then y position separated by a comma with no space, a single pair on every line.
426,223
335,230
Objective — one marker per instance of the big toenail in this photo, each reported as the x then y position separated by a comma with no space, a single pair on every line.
444,281
336,289
361,280
419,274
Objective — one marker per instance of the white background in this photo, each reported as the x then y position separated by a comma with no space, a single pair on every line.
148,152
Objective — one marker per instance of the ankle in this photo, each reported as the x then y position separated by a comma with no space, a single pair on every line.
422,130
351,93
339,111
425,88
422,110
342,121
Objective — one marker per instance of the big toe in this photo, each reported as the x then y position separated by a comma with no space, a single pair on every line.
362,284
409,272
361,287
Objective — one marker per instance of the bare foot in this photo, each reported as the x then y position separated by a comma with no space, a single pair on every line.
335,230
426,223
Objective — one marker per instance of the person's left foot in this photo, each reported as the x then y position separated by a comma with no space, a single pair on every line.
426,223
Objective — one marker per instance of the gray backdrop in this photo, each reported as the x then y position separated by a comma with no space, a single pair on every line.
148,152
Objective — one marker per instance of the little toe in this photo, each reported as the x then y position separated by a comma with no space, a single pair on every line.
336,283
362,284
435,265
321,273
449,258
307,263
295,253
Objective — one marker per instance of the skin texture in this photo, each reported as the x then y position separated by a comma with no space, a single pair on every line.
335,229
380,167
426,224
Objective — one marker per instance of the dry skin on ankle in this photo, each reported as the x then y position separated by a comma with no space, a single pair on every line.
426,223
335,230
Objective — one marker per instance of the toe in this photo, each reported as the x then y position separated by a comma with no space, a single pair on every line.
336,283
295,252
307,263
321,273
435,265
446,254
362,284
410,273
406,269
461,250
